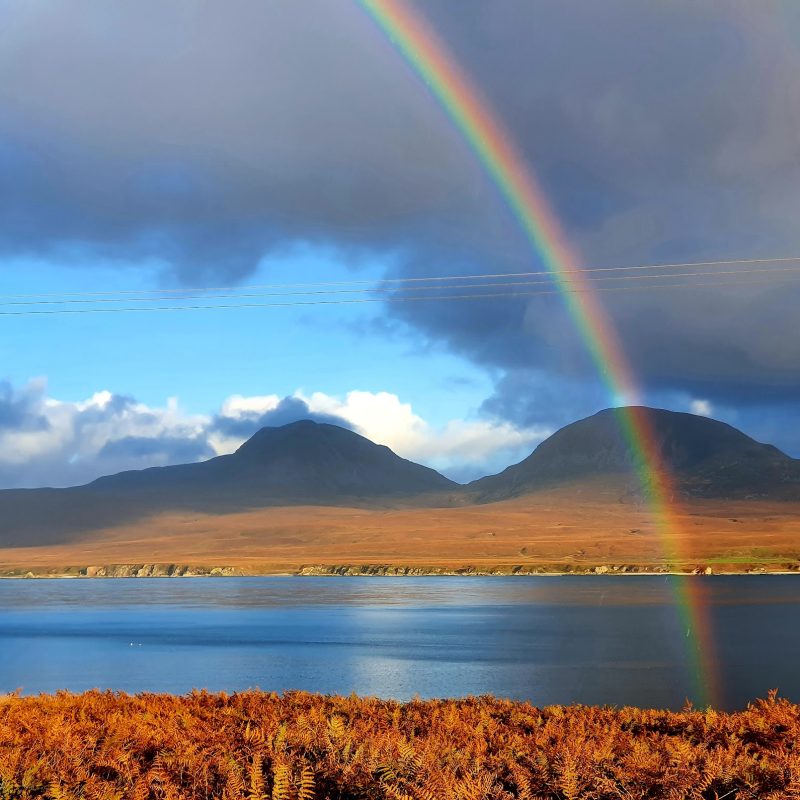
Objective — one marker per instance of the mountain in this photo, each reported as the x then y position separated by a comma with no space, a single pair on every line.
307,463
705,457
303,463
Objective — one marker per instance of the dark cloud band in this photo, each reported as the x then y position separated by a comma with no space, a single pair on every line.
221,135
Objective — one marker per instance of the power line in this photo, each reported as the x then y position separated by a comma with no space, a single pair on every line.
359,300
391,289
421,279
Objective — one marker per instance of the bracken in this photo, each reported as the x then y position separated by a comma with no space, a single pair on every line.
299,746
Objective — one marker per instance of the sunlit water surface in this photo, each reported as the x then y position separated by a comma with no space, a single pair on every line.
615,640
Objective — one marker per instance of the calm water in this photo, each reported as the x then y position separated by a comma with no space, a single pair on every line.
549,640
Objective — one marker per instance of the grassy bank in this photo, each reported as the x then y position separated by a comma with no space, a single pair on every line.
301,746
556,531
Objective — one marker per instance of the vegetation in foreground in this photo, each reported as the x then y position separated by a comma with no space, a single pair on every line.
301,746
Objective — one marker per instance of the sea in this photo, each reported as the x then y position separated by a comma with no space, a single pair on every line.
607,640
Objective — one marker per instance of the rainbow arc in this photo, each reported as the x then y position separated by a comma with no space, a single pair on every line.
496,151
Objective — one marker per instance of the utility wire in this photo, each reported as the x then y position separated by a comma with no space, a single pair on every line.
424,279
392,289
358,300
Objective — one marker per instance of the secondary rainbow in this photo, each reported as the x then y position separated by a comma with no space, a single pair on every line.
497,153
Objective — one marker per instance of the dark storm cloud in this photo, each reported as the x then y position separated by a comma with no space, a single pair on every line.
660,132
205,137
289,409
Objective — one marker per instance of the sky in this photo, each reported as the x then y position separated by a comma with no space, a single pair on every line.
165,146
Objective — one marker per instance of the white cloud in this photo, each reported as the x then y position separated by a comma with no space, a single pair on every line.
701,407
238,405
460,448
46,441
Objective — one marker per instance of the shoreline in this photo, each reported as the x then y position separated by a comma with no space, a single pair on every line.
163,570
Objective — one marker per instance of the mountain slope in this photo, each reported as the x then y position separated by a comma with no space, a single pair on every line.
705,457
304,463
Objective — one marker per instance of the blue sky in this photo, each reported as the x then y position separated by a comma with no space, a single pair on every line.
198,360
270,143
202,357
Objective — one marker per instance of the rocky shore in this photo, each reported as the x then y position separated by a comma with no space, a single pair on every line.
377,570
125,571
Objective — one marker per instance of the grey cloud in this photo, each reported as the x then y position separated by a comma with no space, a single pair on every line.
215,136
155,450
20,410
659,132
533,398
289,409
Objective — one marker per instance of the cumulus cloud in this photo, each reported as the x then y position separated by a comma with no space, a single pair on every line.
462,449
46,441
60,443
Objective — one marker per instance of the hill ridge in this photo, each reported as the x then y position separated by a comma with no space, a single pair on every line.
303,463
308,463
707,457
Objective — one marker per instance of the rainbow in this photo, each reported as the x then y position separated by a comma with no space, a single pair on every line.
517,183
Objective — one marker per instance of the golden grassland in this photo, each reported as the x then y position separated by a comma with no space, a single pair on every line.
300,746
560,530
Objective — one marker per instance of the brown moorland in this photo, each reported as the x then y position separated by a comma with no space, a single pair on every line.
302,746
572,528
314,497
